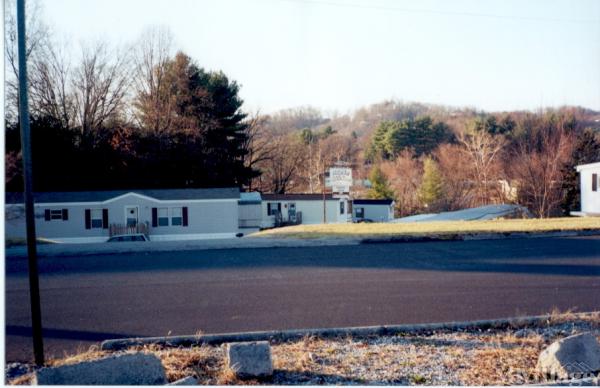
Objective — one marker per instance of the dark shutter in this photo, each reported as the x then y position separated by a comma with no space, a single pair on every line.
47,214
279,207
104,218
184,213
154,217
594,182
65,214
88,219
268,209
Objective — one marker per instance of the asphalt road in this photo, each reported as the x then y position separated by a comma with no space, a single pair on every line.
92,298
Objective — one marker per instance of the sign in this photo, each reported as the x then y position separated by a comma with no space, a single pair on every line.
340,177
341,189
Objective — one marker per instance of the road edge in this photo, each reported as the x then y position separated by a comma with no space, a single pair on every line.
359,331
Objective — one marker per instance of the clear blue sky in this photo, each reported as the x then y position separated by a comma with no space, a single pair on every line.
341,54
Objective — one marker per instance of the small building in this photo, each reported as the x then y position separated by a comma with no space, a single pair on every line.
291,209
94,216
376,210
589,183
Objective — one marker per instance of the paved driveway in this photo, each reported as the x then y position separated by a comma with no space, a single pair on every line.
91,298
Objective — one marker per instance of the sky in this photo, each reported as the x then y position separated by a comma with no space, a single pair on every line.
338,55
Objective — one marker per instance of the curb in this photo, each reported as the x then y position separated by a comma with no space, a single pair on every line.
479,236
267,243
285,335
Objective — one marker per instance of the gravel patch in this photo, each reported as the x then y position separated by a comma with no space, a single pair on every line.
470,357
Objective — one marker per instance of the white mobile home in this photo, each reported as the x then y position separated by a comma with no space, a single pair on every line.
285,209
377,210
179,214
589,183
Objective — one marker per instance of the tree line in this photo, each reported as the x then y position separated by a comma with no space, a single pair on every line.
139,116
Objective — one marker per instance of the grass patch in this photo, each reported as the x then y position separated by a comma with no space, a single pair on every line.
20,241
437,228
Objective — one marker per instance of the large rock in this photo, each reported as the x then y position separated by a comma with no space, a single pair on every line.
123,369
576,356
250,359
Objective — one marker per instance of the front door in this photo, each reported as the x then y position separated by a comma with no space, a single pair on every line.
131,216
292,212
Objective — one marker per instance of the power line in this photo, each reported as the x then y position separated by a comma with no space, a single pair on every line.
445,13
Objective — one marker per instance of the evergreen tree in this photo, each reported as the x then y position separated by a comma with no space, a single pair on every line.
431,192
380,188
423,135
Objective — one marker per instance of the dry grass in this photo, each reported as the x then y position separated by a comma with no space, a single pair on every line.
441,228
476,357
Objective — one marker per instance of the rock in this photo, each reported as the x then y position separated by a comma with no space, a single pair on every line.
123,369
190,380
576,356
250,359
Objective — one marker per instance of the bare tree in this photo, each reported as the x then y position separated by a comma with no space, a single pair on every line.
37,39
100,83
257,144
281,170
455,166
153,98
50,82
537,165
484,151
405,174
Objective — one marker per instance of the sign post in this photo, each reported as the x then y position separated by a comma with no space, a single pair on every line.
34,284
340,180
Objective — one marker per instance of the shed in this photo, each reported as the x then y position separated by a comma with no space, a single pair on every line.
377,210
589,183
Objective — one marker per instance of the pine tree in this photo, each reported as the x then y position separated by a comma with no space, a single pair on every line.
431,191
380,188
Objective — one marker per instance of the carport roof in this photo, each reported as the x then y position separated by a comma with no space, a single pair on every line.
101,196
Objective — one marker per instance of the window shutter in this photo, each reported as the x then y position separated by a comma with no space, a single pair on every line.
47,214
268,209
279,207
154,217
104,218
88,219
184,214
594,182
65,214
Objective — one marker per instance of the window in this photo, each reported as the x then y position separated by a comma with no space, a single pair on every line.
56,214
176,216
594,182
96,217
163,216
360,212
273,208
342,207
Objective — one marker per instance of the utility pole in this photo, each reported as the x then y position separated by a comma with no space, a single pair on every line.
34,284
324,202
